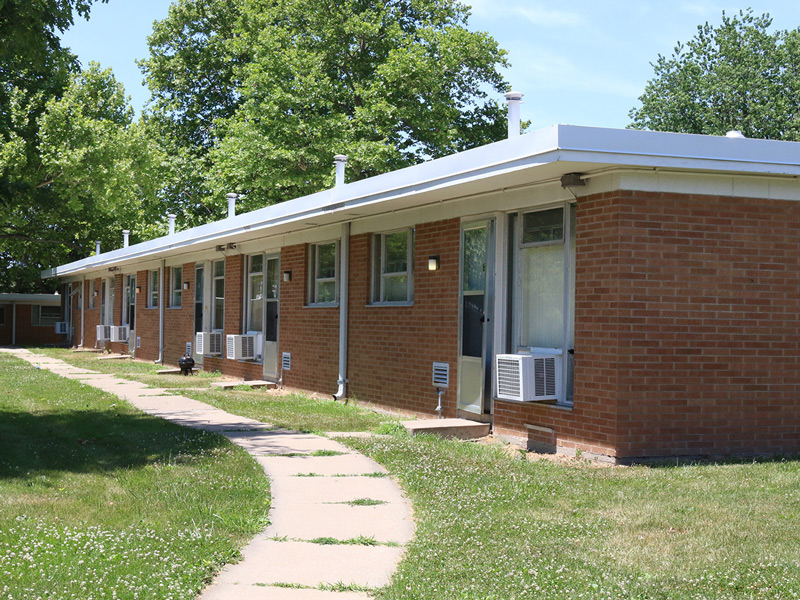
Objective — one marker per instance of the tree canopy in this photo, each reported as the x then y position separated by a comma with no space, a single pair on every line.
286,84
73,165
737,76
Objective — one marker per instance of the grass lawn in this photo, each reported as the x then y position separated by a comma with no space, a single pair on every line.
293,411
98,500
493,527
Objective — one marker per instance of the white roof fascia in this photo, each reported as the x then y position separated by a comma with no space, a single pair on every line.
558,143
31,298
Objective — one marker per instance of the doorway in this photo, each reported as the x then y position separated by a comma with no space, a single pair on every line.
475,324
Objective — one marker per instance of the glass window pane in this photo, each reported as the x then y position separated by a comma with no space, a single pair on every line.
543,226
326,261
475,259
256,263
395,288
198,284
326,291
396,252
543,296
377,247
472,326
271,334
255,321
219,268
273,277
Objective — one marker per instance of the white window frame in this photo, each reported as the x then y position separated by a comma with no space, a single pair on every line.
175,287
153,288
217,299
92,291
39,321
314,280
249,291
380,275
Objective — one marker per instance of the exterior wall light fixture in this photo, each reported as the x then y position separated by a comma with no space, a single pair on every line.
433,263
186,285
287,275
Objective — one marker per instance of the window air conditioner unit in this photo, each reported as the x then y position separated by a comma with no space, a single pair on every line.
120,333
528,377
241,347
208,343
62,327
103,333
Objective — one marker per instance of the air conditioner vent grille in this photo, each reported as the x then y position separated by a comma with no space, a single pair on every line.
528,377
286,361
441,374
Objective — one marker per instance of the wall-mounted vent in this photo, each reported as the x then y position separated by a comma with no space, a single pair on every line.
120,334
241,347
286,361
208,343
62,327
528,377
441,374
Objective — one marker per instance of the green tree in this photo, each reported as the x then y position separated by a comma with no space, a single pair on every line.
737,76
91,168
292,82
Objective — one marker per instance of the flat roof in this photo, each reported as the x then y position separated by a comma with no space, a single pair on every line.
541,155
52,299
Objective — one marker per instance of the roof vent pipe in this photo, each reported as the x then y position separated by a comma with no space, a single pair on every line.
125,238
97,247
231,204
340,160
513,100
735,134
171,218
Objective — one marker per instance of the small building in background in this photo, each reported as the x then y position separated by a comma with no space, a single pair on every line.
32,320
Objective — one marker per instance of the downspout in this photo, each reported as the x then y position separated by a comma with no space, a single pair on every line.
344,281
160,359
83,309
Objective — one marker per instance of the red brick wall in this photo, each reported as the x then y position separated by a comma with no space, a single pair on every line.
27,333
91,316
147,322
311,335
392,348
178,322
686,328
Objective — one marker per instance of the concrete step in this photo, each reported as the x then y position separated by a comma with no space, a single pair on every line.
227,385
114,357
173,371
461,429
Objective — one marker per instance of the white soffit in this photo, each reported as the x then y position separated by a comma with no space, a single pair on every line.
542,155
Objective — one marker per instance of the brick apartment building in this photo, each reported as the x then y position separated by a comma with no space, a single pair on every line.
625,293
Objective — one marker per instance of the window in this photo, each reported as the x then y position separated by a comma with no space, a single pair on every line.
255,293
218,308
392,259
546,273
2,315
324,272
152,288
92,293
46,315
175,288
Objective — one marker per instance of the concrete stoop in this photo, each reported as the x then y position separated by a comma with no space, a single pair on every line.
461,429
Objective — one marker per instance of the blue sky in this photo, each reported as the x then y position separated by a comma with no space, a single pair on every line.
582,62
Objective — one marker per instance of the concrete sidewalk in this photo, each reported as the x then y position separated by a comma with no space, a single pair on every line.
314,483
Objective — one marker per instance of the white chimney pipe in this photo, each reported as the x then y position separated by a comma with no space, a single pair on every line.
97,247
171,218
231,204
125,239
513,99
340,160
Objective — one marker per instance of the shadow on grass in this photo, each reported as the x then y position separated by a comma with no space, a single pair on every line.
92,441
